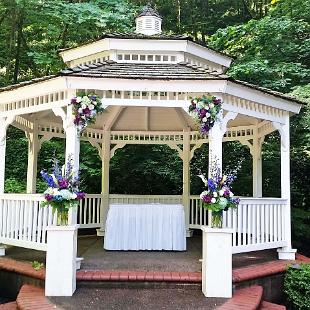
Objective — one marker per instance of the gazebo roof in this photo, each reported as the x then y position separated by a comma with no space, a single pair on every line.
140,71
111,69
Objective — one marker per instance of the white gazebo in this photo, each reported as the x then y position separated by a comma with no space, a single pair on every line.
145,80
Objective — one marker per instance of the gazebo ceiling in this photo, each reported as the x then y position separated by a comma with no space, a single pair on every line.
141,119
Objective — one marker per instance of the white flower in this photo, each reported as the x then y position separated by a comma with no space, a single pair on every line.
66,194
74,195
80,110
204,119
215,194
200,105
94,102
208,115
207,107
213,200
221,192
84,106
78,99
91,106
211,105
204,193
231,194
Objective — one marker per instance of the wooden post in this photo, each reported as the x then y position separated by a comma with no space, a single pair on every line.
286,252
33,149
186,180
256,151
105,158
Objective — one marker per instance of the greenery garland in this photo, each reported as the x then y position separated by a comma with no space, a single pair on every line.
204,111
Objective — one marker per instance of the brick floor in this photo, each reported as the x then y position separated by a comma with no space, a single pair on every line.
9,306
244,299
265,305
32,298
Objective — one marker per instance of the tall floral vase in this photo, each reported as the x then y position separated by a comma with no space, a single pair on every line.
62,218
217,219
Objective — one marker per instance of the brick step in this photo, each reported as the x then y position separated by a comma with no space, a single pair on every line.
248,298
9,306
31,297
265,305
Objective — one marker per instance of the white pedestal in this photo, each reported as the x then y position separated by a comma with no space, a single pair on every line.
217,262
287,253
100,232
61,260
2,250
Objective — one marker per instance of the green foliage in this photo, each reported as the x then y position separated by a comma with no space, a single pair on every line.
271,52
37,265
297,286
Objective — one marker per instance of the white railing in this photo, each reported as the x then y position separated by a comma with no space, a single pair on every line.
89,211
23,222
258,223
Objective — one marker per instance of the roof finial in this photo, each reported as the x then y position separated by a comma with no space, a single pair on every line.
148,22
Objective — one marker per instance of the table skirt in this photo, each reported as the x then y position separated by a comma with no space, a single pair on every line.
145,227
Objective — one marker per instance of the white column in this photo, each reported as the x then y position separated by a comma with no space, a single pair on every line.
186,180
215,144
2,163
105,158
33,149
256,152
61,260
73,153
286,252
217,262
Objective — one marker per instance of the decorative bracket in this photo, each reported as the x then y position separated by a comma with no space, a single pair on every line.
67,122
284,133
5,122
177,148
194,148
228,117
98,146
116,147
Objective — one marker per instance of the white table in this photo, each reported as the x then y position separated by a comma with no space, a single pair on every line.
145,227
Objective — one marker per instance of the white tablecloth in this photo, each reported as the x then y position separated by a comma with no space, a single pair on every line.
145,227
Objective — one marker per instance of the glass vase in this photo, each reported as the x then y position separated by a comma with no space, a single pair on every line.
217,219
62,218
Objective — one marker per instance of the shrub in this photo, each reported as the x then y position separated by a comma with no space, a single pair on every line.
297,286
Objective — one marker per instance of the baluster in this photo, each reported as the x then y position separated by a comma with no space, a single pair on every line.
262,222
2,218
239,227
282,220
244,224
275,223
30,219
16,233
234,222
44,225
267,231
249,239
35,220
40,224
254,223
258,232
271,223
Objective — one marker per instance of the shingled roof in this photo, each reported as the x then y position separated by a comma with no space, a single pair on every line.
111,69
149,11
179,71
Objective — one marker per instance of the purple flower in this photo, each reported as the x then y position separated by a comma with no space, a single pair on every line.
73,100
48,197
86,111
217,101
226,193
80,195
203,113
63,183
206,199
211,185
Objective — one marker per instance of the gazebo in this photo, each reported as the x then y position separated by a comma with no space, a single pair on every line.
145,80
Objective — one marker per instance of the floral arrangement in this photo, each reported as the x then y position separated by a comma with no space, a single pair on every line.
218,196
204,110
85,110
62,192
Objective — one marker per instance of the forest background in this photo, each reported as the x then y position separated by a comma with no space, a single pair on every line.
269,38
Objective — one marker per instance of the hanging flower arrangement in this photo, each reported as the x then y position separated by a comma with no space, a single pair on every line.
218,196
204,111
85,110
62,192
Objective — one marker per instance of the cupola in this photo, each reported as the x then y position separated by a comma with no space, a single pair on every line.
148,22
